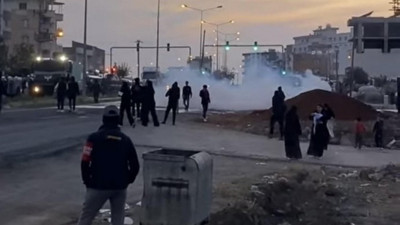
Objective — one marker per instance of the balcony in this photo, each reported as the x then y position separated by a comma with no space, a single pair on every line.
53,15
44,37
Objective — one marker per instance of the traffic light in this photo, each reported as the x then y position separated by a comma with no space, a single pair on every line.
114,70
255,46
283,72
168,47
227,47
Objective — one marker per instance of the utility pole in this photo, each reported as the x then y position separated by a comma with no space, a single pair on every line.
85,50
158,35
138,57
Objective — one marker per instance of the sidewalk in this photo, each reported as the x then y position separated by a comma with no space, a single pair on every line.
219,141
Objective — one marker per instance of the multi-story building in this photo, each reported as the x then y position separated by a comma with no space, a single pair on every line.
324,44
377,45
34,23
198,62
270,58
95,56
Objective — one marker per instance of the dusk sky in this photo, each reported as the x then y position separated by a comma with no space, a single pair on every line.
122,22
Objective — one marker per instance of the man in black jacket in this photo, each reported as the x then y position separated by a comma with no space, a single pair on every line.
109,164
173,94
187,95
137,95
61,90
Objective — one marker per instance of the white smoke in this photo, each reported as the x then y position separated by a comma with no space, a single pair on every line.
255,92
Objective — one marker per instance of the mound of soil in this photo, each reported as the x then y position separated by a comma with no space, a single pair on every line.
344,107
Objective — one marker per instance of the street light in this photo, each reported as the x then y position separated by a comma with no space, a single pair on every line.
228,37
201,20
85,49
217,25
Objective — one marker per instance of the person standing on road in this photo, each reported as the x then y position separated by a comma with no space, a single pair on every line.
187,95
173,95
136,97
317,141
61,91
292,133
126,103
205,101
359,133
149,105
109,164
281,94
378,132
96,91
278,110
72,92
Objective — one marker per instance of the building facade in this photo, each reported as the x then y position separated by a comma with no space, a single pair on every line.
34,23
325,47
377,45
95,56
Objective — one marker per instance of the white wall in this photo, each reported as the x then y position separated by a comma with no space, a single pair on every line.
375,63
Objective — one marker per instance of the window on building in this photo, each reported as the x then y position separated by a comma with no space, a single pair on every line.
25,39
23,6
340,38
26,23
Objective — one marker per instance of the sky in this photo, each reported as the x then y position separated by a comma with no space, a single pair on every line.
122,22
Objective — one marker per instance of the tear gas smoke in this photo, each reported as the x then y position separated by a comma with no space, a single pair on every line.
255,92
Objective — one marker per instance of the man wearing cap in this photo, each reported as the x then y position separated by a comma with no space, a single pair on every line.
109,164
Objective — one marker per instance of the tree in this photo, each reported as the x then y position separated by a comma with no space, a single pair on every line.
22,59
359,76
123,70
3,55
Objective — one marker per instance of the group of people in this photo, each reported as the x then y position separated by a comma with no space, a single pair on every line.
377,130
66,88
290,127
138,101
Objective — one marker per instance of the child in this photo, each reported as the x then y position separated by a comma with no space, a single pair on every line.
359,132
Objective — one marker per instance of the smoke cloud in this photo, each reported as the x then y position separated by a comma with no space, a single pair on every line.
255,92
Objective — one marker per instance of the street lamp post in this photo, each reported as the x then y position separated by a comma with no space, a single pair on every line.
234,36
85,49
337,68
217,25
201,19
158,35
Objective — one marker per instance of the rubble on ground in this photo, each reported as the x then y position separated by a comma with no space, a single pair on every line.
324,196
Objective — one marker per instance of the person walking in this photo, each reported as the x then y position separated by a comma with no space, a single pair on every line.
378,132
109,164
173,95
72,92
149,105
96,91
317,141
137,90
187,95
278,110
359,133
126,102
292,133
205,101
61,91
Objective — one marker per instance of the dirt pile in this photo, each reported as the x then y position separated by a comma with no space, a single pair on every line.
345,108
324,196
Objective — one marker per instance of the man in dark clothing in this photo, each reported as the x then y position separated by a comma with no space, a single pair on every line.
187,95
292,133
173,94
205,101
281,94
126,102
61,90
378,132
73,91
136,97
149,105
278,110
109,164
96,91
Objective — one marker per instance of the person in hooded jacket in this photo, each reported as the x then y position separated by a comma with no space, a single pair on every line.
149,105
205,101
318,132
173,95
61,91
292,133
109,164
72,92
278,110
126,102
137,92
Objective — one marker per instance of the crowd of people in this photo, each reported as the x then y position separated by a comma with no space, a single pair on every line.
138,102
321,131
66,88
